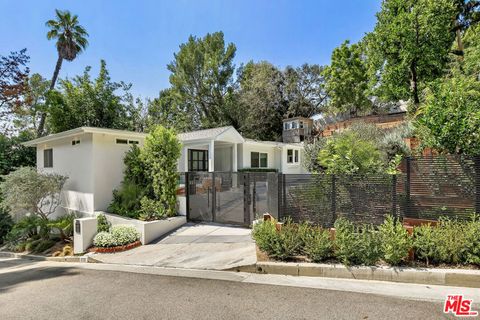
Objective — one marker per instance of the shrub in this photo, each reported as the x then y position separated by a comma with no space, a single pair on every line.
26,228
450,241
425,243
126,199
42,245
102,223
6,224
264,233
471,253
32,244
123,235
151,210
104,239
64,225
370,245
395,241
160,154
28,190
346,242
317,244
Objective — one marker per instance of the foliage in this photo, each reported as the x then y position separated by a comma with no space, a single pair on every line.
356,245
201,78
36,193
264,233
168,111
27,228
13,154
395,241
347,81
471,233
64,225
6,224
123,235
409,47
95,103
28,115
346,153
120,235
126,199
151,210
450,116
257,170
310,155
393,144
425,243
317,244
283,244
41,245
160,155
104,239
102,223
13,82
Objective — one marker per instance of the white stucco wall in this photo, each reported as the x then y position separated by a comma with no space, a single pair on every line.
223,158
75,162
108,167
248,148
292,168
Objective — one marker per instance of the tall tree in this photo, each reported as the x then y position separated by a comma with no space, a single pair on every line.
168,112
202,78
305,90
28,115
347,80
71,40
409,46
13,82
468,14
262,100
85,102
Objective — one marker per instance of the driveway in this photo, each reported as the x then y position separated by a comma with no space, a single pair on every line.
193,246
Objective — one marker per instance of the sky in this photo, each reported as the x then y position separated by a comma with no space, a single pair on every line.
138,38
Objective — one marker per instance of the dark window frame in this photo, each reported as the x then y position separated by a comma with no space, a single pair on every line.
48,158
200,163
259,159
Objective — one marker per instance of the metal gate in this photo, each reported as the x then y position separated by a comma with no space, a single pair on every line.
229,197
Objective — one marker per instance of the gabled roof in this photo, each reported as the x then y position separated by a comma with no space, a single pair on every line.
82,130
209,134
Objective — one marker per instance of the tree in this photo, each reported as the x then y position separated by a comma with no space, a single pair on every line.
25,189
13,82
468,14
202,78
13,154
409,47
29,113
347,80
304,90
166,110
71,40
261,98
86,102
160,154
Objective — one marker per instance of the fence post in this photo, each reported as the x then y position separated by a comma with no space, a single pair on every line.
477,183
394,196
334,199
407,188
214,197
187,194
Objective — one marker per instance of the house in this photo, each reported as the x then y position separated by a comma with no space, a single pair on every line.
92,158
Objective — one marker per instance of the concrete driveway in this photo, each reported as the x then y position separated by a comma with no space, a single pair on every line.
193,246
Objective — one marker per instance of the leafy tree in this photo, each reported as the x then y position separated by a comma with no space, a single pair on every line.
13,82
468,14
262,100
347,153
347,80
304,90
166,110
160,154
25,189
202,78
13,154
71,40
86,102
409,46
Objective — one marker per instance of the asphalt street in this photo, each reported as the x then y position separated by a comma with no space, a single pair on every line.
50,292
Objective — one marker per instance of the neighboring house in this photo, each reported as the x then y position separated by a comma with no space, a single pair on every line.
92,158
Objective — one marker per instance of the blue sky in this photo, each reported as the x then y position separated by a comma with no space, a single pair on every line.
138,38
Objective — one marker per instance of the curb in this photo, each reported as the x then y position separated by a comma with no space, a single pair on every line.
444,277
82,259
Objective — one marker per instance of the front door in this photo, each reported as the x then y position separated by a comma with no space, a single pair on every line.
197,160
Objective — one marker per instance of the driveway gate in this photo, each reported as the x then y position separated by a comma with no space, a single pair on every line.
230,197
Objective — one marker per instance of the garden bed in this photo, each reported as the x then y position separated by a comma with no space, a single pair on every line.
116,248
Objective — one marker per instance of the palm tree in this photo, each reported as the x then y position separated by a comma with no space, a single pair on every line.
71,40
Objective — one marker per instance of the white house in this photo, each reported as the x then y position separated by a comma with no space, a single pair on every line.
92,158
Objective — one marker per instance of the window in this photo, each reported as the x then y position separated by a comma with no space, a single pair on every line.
122,141
75,142
285,125
197,160
301,124
48,158
132,142
292,156
258,160
294,125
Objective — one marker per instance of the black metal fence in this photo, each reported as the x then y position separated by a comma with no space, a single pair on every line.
426,188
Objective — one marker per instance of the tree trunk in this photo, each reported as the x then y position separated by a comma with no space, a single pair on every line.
459,44
58,66
414,84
